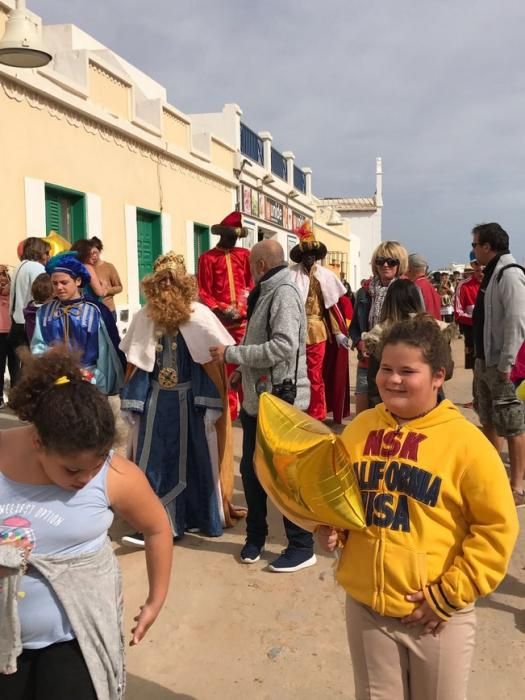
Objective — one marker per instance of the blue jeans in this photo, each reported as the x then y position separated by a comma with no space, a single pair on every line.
256,525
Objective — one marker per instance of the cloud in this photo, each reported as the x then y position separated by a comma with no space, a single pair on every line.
436,88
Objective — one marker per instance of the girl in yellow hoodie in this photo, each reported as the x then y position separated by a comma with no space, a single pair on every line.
441,526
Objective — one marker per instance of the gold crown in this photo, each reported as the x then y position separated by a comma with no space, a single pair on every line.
170,261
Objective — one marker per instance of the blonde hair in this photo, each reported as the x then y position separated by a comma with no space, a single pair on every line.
169,294
391,249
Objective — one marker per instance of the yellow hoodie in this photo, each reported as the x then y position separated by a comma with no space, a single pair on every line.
439,510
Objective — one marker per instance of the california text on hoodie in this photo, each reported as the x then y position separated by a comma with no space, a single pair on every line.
439,511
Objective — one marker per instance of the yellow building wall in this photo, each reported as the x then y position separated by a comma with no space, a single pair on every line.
106,90
175,130
222,156
41,141
3,20
335,244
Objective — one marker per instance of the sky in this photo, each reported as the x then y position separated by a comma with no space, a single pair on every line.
434,87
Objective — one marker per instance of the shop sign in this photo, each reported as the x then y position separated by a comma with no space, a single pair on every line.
246,199
255,203
274,211
298,221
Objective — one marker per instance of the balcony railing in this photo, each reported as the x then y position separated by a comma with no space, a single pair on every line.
279,165
299,179
251,145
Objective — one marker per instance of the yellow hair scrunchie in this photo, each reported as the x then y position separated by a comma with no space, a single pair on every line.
61,380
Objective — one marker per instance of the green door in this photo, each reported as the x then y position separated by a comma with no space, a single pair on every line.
149,243
201,242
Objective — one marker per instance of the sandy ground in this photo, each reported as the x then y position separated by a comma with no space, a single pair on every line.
242,632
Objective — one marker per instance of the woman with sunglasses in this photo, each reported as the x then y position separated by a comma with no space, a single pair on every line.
389,261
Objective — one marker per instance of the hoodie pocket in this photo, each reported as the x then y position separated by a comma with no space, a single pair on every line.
403,571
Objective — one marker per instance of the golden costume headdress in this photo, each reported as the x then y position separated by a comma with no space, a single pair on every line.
170,261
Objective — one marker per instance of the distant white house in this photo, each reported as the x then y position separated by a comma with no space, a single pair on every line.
364,216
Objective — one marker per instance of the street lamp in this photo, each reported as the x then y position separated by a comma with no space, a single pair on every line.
21,46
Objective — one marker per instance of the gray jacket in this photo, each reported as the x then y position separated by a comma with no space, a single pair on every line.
504,327
89,587
258,352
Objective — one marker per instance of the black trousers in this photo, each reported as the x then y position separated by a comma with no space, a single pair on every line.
56,672
256,525
17,337
7,356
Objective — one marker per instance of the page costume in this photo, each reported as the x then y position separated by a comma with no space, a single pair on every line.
79,324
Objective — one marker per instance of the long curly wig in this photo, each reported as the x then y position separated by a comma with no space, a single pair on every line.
169,294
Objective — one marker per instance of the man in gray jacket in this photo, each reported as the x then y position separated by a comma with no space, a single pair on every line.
498,332
273,350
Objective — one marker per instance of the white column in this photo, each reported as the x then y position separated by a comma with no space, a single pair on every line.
267,149
308,180
35,205
379,182
130,219
290,161
93,215
165,230
189,257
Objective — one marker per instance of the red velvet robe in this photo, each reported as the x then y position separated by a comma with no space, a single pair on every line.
335,367
225,281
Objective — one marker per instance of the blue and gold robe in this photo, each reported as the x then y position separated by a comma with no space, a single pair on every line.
172,446
80,325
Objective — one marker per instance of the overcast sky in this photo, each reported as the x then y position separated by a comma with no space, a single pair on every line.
435,87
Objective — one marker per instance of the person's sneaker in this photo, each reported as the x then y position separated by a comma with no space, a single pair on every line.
134,540
519,498
293,559
251,553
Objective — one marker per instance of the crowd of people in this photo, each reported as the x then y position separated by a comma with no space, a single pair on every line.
440,513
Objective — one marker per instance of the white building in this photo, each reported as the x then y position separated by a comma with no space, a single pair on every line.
274,194
364,217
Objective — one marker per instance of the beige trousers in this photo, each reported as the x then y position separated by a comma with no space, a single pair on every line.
393,662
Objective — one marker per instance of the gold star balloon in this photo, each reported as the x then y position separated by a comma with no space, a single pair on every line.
57,243
305,469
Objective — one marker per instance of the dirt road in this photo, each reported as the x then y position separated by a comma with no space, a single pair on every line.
242,632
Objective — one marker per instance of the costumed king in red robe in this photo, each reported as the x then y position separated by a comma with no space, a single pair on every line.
327,334
225,281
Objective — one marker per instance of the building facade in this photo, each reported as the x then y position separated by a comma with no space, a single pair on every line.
273,193
91,146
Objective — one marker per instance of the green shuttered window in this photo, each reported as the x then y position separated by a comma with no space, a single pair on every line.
65,212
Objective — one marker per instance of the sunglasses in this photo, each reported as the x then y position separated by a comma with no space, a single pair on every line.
391,262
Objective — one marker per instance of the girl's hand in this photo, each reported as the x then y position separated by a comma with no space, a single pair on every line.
146,617
423,615
327,537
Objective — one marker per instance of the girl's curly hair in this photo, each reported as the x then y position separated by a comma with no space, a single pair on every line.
169,294
73,416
